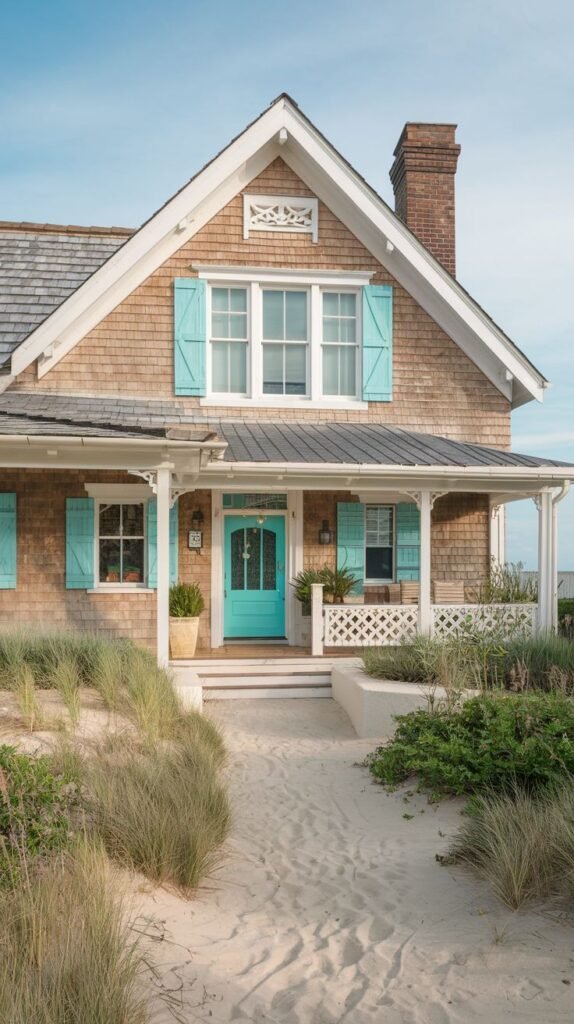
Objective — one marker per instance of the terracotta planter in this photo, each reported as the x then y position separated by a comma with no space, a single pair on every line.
183,637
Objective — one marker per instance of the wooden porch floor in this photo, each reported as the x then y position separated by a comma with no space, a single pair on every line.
236,652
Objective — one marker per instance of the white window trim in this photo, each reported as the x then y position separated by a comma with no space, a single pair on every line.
315,283
118,494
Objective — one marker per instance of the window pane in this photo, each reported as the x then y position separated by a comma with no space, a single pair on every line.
295,369
219,325
347,370
330,304
379,563
273,369
330,329
379,526
348,304
238,369
132,520
220,299
348,331
238,300
237,560
133,561
110,520
269,560
253,547
219,366
296,316
237,325
331,370
273,315
110,559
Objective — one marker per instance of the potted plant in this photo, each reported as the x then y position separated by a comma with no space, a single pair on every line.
302,584
132,574
338,583
185,606
113,574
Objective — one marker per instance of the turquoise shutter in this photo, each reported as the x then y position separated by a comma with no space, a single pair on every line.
189,336
152,543
351,540
377,343
7,541
408,534
79,543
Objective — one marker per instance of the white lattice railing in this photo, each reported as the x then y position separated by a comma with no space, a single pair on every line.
452,619
369,625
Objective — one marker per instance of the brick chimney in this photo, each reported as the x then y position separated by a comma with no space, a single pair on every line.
423,181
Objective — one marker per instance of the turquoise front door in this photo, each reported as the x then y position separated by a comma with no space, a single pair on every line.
254,577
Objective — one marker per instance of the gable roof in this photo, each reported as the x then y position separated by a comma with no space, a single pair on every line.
283,130
40,266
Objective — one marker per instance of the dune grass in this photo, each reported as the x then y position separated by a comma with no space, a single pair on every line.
25,692
67,955
521,843
159,809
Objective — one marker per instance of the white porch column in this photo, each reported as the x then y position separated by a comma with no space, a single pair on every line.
425,504
316,619
497,534
163,489
545,560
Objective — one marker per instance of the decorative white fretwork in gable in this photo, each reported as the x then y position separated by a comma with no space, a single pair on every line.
281,213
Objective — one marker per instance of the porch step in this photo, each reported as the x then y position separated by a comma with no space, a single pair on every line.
233,678
250,692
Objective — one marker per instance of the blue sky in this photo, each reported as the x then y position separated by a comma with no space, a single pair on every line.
105,109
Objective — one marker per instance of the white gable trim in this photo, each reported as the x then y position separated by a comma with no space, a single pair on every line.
349,197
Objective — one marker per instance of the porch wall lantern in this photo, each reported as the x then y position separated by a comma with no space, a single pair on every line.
195,535
325,533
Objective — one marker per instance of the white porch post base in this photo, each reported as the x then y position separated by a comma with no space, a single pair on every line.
163,490
316,620
425,624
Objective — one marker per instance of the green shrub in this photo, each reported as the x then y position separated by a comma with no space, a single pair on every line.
160,810
67,954
185,601
521,843
36,807
565,606
302,584
492,742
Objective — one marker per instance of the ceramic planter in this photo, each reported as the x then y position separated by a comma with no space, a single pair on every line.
183,637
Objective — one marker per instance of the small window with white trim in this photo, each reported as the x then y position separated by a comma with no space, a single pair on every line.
120,543
379,543
285,342
340,343
229,326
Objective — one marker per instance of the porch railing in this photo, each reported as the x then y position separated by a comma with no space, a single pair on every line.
378,625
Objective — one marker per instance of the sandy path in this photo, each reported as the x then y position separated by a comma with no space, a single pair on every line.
331,906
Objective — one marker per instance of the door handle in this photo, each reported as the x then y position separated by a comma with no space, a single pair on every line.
225,593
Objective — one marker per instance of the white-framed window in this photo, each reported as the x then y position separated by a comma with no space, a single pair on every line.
229,326
340,343
120,543
281,338
379,543
285,341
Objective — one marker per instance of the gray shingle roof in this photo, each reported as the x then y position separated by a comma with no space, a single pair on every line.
40,267
255,441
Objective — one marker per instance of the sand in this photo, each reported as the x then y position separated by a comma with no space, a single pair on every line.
331,907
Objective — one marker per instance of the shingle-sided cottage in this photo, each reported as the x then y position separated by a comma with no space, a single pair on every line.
275,372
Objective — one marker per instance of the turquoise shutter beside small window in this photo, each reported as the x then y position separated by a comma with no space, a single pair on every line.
377,343
408,533
7,541
189,336
351,541
152,543
79,543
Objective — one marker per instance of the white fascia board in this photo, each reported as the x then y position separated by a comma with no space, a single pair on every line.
264,275
543,475
313,154
193,206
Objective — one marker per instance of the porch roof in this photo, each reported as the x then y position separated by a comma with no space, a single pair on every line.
257,442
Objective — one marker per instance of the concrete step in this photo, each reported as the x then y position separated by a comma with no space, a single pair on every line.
252,681
248,693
